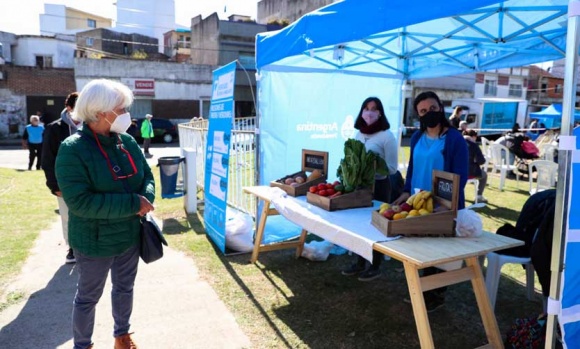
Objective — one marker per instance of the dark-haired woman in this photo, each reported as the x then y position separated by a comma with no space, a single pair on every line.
437,146
374,132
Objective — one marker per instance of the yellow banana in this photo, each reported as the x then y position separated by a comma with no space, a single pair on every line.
416,199
419,204
410,199
429,205
425,194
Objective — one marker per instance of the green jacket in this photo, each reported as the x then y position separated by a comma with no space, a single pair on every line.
103,219
147,129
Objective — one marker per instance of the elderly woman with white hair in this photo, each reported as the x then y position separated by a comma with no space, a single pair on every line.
32,140
108,186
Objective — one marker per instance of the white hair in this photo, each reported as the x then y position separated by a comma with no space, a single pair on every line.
34,118
101,96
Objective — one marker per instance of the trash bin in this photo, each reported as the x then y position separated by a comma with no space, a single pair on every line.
169,170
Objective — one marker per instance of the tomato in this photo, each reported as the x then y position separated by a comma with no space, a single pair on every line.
329,186
330,191
313,189
335,183
322,192
321,186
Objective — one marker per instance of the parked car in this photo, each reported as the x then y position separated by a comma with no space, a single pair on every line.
165,131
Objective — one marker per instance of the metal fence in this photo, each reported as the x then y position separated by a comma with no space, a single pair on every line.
242,168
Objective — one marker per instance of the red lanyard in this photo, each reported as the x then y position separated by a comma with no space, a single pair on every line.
115,168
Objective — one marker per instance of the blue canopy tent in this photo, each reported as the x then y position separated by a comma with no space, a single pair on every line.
314,74
551,116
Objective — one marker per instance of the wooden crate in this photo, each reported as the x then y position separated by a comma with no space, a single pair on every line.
445,192
357,198
311,160
434,224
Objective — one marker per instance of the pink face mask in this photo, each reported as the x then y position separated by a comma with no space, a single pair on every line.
370,116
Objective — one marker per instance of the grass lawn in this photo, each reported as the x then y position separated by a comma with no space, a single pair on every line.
283,302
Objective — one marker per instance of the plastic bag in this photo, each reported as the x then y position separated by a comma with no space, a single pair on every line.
317,251
469,224
239,231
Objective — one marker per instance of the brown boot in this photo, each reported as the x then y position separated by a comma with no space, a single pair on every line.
125,342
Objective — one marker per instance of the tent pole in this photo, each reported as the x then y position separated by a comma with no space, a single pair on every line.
564,162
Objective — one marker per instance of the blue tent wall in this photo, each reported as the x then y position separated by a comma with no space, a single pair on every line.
318,114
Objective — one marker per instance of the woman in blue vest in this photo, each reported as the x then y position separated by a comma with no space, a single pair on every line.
437,146
32,140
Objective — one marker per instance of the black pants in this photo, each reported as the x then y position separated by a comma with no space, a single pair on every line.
34,152
383,192
146,143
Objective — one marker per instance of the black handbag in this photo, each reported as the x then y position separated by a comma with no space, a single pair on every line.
152,240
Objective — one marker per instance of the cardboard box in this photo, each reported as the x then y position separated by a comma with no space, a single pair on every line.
311,160
445,193
357,198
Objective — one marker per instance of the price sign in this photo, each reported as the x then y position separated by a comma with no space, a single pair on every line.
314,160
446,188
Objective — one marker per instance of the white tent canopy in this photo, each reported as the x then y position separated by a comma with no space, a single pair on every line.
314,74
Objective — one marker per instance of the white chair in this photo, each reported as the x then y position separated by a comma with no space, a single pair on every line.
494,263
547,151
475,182
546,174
485,143
500,157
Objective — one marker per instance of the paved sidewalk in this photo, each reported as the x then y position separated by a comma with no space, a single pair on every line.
173,307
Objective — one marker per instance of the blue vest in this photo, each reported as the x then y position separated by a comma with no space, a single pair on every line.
35,134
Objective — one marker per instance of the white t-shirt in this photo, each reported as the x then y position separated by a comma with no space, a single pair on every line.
384,144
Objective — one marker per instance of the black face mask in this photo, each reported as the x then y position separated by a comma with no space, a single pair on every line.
431,119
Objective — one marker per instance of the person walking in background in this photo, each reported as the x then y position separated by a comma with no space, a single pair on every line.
133,128
147,134
32,140
476,159
374,132
455,118
437,146
54,133
108,186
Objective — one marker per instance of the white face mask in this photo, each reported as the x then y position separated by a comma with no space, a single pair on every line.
370,116
121,123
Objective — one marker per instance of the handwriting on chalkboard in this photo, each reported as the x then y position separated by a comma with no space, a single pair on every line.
314,161
444,188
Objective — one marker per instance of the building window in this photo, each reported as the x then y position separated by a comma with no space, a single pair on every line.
184,42
515,90
558,88
44,61
543,87
247,60
91,23
490,88
89,41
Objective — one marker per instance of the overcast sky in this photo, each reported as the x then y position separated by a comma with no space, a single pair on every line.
22,16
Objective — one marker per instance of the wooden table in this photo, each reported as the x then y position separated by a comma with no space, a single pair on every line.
263,194
415,254
423,252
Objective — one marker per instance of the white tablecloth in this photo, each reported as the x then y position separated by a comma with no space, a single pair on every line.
350,229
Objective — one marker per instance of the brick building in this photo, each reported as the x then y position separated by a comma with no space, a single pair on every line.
26,90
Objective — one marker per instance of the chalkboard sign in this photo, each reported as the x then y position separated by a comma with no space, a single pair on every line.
446,188
315,160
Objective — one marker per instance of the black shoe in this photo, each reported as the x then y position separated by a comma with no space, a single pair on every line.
369,275
431,303
70,257
434,302
354,269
